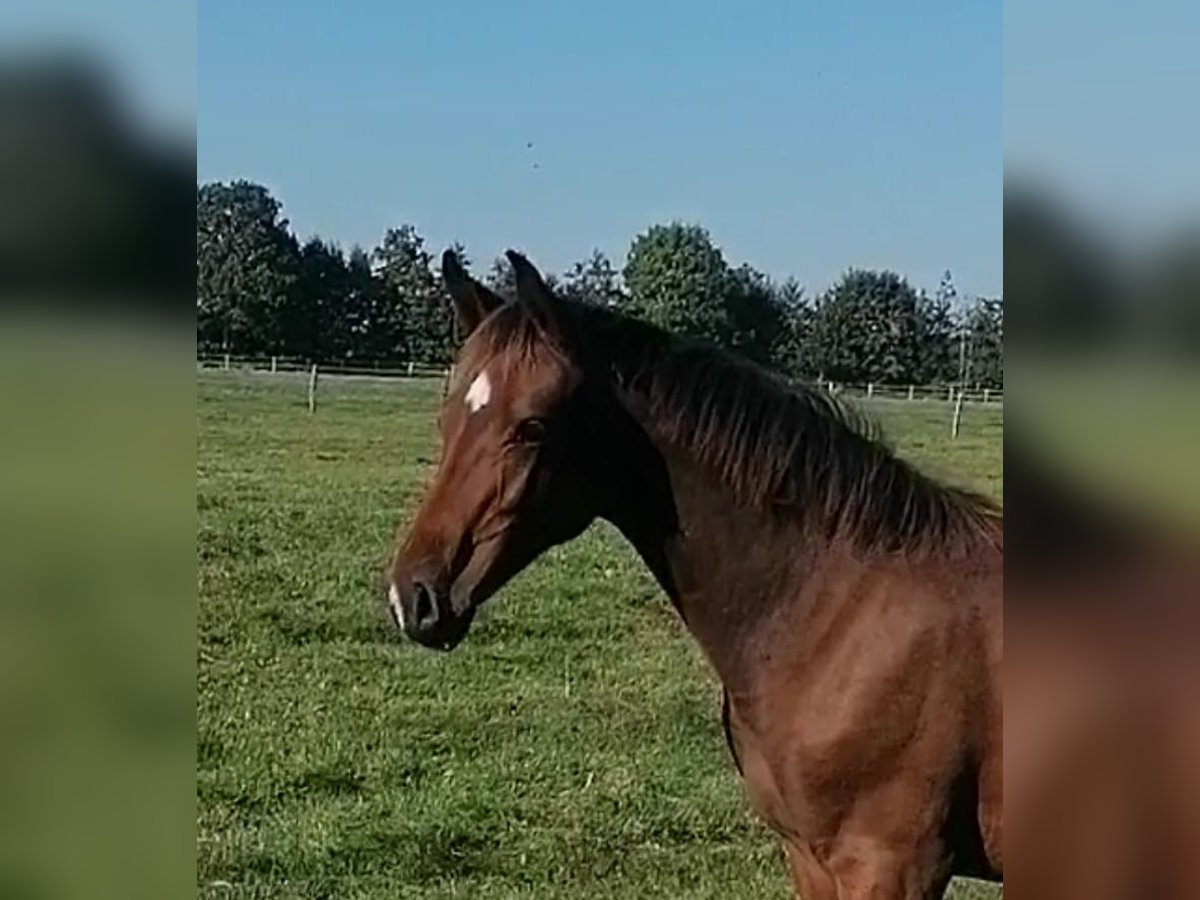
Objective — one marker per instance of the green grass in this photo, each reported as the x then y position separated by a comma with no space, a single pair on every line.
571,747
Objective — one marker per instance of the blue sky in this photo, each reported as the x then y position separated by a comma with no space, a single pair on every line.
807,136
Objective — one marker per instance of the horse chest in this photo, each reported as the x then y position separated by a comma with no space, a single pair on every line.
769,774
804,761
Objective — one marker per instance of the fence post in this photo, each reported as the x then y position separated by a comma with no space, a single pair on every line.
274,365
312,389
870,390
226,362
410,368
911,392
958,406
985,395
950,395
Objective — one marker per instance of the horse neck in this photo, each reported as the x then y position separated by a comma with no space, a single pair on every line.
726,566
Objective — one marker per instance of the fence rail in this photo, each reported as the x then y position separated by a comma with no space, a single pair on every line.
944,392
947,393
388,369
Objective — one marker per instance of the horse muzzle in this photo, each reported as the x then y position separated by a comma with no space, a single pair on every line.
425,614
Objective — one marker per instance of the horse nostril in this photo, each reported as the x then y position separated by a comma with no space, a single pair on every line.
425,609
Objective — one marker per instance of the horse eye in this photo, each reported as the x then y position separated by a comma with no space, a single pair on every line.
530,431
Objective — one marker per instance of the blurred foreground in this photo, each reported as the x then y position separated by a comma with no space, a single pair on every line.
1102,500
97,462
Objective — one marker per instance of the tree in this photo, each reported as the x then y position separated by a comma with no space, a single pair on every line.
984,328
594,281
938,336
758,316
247,264
419,320
867,328
315,323
501,279
679,280
372,326
793,353
259,292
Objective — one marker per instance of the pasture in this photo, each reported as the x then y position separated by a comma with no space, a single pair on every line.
571,747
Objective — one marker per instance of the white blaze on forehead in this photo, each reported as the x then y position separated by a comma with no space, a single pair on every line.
479,393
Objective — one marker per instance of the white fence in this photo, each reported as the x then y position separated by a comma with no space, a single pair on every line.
391,369
947,393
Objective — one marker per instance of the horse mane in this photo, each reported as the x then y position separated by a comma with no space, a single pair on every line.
790,448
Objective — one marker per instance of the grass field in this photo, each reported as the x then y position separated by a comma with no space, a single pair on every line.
571,747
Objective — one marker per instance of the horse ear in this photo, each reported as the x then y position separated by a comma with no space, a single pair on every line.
532,293
472,301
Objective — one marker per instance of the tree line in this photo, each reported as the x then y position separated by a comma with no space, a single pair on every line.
260,291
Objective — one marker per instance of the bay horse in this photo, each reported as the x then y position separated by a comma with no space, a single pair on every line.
850,605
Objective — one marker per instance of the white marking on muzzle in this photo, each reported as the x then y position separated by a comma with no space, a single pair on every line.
479,393
397,606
